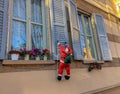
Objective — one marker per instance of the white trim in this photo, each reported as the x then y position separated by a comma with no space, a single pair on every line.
61,61
59,75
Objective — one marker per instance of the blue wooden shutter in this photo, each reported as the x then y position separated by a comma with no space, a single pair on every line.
3,17
58,24
102,37
74,30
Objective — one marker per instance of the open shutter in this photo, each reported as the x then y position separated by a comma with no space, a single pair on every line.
74,30
102,37
58,24
3,16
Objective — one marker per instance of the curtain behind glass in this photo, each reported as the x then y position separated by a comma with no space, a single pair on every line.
18,35
36,11
89,38
37,40
19,9
82,37
19,27
36,27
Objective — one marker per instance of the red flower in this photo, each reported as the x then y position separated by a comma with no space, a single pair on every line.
24,51
46,51
14,52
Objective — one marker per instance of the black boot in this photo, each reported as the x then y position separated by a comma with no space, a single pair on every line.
59,78
67,77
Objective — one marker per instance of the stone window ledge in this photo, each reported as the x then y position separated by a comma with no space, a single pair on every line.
28,62
87,61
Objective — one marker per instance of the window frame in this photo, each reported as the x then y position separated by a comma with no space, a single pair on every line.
86,35
28,24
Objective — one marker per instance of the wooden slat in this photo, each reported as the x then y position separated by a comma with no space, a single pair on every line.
58,24
74,30
3,24
102,37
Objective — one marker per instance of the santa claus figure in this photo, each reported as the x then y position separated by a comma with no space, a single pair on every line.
65,60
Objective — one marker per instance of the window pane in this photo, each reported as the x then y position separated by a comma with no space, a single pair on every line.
36,11
37,36
90,48
87,27
18,35
82,38
80,23
83,46
19,9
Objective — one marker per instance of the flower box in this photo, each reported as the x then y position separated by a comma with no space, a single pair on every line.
24,53
14,54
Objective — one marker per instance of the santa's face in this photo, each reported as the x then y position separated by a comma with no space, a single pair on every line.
66,50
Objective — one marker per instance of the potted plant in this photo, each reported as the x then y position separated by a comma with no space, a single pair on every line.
46,53
25,53
14,54
36,52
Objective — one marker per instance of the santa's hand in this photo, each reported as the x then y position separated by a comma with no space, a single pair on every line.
58,43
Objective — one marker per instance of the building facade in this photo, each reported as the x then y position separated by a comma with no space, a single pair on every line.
91,27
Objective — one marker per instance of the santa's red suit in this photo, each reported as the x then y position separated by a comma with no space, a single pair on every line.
62,64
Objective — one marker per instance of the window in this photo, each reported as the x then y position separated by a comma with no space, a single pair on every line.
27,24
86,37
19,24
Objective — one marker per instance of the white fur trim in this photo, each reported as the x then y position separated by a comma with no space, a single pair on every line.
61,61
59,75
58,43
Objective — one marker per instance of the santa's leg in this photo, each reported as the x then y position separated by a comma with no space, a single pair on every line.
67,67
60,71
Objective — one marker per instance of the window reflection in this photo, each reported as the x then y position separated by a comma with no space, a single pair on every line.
87,27
19,9
86,37
18,35
36,11
36,34
82,38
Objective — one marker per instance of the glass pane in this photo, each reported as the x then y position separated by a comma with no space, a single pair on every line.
36,11
19,9
80,25
18,35
87,27
91,52
37,36
83,46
